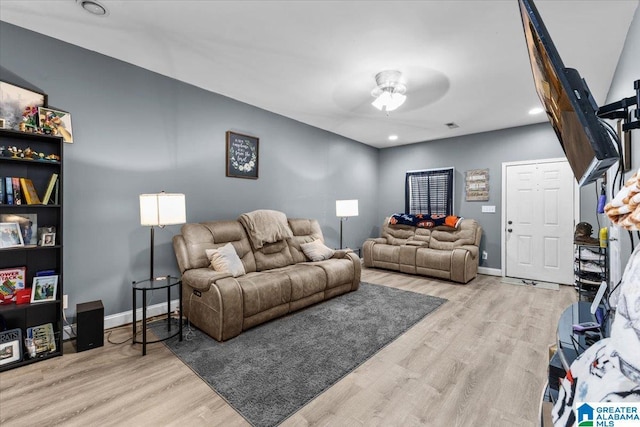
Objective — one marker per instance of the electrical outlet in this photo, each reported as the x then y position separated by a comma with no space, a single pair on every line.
485,255
65,302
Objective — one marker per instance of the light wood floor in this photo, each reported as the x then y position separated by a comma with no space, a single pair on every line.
479,360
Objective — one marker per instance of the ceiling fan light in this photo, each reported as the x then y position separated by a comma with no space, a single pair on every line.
389,101
382,100
389,92
397,99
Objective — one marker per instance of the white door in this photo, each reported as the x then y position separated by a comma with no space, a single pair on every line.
539,221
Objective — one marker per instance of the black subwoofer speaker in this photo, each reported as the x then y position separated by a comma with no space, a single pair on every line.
89,325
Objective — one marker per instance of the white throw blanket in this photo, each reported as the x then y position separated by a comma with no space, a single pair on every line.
266,226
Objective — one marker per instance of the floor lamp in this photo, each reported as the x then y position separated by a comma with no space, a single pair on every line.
345,209
158,210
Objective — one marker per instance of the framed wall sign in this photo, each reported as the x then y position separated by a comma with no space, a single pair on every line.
477,185
242,155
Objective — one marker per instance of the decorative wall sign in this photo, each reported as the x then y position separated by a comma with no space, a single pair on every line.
477,185
242,155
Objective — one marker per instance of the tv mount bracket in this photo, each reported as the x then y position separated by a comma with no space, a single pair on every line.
620,110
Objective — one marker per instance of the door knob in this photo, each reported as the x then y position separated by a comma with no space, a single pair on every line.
509,230
509,222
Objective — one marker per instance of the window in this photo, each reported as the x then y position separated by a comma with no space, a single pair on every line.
429,192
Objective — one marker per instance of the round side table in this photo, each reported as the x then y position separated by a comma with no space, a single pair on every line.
148,285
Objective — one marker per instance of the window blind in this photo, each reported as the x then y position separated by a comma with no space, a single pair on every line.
429,192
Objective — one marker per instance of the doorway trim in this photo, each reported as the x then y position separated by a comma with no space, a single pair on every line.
503,219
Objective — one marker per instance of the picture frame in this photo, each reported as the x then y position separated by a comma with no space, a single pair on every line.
28,223
242,155
14,100
42,339
45,230
56,122
10,346
44,288
10,235
48,239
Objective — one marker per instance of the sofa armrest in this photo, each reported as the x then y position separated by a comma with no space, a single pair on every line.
357,269
201,279
473,250
213,302
377,240
464,263
341,253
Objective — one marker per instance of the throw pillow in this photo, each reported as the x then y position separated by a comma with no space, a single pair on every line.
316,250
226,260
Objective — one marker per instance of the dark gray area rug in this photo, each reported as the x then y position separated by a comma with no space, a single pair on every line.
271,371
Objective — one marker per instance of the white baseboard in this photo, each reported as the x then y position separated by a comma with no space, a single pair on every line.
120,319
490,271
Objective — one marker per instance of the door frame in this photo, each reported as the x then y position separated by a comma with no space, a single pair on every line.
503,219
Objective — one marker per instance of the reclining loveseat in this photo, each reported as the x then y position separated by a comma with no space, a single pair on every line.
445,252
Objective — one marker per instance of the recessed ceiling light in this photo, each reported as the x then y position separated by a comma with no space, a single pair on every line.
93,7
393,137
536,110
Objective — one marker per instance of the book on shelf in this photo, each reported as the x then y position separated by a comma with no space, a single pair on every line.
8,189
53,181
45,273
56,192
17,194
2,200
29,192
11,281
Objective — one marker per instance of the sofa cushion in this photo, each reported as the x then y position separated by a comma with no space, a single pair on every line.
434,259
338,271
273,255
465,234
306,279
316,250
226,260
397,234
304,231
198,237
263,291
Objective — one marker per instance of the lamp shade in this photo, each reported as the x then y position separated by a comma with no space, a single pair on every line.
346,208
162,209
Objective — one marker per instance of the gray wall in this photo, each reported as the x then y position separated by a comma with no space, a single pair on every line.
479,151
138,132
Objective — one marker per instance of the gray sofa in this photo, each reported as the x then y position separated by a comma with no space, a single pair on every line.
279,277
442,252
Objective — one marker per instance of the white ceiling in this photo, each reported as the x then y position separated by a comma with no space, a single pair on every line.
315,61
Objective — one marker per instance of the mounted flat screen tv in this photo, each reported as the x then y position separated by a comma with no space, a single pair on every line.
568,102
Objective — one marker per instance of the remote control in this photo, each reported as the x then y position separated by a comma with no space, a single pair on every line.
586,326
